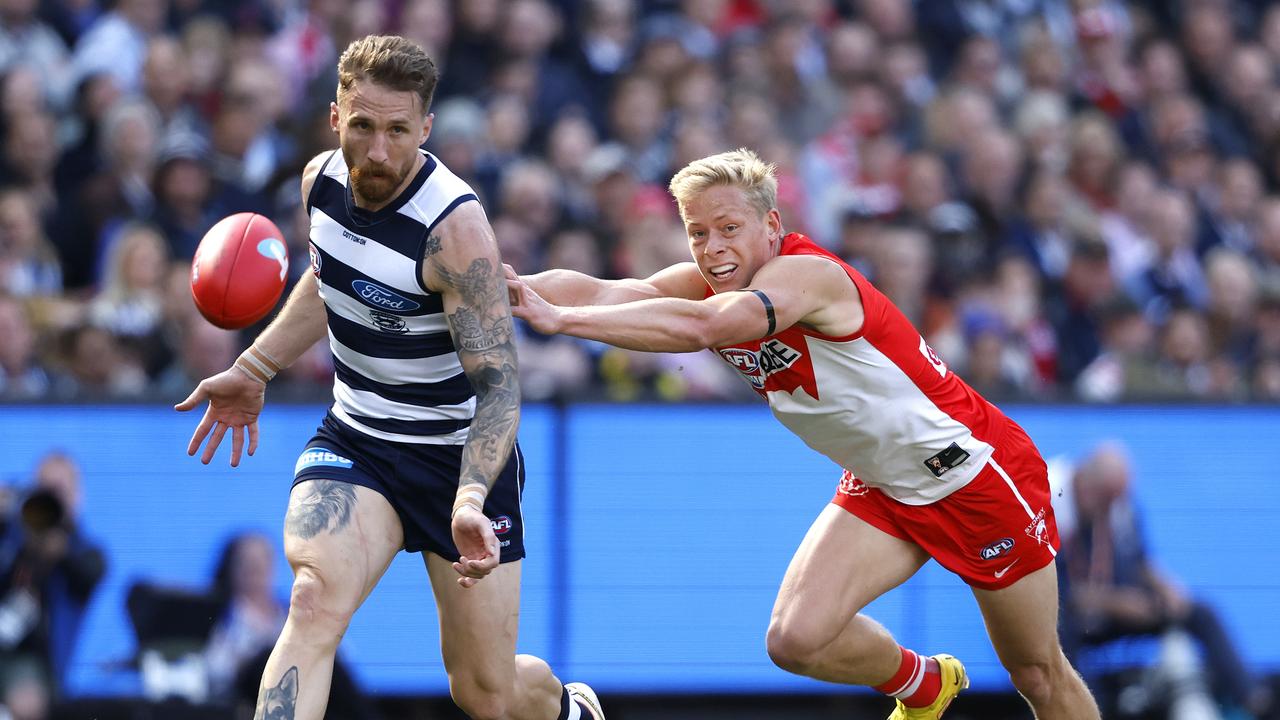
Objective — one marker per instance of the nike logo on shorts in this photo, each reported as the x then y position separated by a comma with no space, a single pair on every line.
1000,573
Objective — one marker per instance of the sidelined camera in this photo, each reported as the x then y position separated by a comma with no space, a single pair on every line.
42,510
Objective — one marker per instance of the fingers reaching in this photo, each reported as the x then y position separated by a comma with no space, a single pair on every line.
202,431
253,437
192,400
219,430
237,445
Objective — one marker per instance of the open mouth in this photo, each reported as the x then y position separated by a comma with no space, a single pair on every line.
723,272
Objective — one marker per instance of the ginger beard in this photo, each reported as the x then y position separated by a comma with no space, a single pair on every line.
375,184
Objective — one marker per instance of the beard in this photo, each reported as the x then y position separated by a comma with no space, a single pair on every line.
376,185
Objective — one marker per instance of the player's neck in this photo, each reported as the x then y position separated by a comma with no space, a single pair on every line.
367,206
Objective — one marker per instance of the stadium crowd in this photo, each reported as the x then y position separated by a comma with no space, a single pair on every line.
1070,198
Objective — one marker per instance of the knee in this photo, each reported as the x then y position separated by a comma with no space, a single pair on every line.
794,646
478,701
1036,680
316,605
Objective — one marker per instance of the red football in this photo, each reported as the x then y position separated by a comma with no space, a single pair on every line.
239,270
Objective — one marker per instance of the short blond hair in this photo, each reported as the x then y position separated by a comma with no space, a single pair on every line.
741,168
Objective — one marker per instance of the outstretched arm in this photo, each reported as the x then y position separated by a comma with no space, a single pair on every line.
462,264
236,395
786,291
574,289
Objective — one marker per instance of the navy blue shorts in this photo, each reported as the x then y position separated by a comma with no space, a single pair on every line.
420,482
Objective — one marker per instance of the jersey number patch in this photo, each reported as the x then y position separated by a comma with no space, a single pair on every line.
933,358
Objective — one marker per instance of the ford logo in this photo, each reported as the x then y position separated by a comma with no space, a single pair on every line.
997,548
382,298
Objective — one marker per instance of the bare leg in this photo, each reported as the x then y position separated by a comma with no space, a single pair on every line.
339,539
1022,621
478,628
816,629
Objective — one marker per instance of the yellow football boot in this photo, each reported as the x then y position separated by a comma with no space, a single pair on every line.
954,680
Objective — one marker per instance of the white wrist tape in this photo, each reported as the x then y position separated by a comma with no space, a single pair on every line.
475,497
257,364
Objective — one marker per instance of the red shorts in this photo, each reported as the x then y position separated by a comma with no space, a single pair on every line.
991,532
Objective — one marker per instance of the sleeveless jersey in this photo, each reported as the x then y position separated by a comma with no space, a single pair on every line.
396,372
879,402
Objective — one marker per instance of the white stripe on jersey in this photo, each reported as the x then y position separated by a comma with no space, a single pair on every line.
352,309
397,371
439,193
875,421
455,438
363,402
396,271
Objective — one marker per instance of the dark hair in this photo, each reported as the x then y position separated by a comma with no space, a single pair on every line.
391,61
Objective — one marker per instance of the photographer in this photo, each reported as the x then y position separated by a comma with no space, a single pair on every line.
48,571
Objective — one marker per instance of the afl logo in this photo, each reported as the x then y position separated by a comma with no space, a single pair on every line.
382,298
501,525
745,361
997,548
315,260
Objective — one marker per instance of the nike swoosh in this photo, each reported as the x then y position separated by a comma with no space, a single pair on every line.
1000,573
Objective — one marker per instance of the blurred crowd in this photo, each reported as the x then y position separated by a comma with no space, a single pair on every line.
1073,199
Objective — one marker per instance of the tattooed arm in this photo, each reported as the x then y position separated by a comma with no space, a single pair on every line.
462,264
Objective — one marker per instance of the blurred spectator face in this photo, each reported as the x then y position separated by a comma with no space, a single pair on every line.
1046,200
746,63
517,78
146,15
20,231
516,243
208,350
478,17
905,72
183,184
23,91
978,66
853,52
428,23
1162,70
662,56
458,134
571,140
1129,334
1268,230
707,13
252,568
1018,291
881,164
165,75
18,347
1266,380
695,139
259,86
207,42
380,160
365,17
94,358
1095,150
528,28
1250,76
903,263
1267,324
751,121
925,184
15,13
636,113
179,308
60,475
1186,339
783,46
891,19
1041,123
1207,35
1088,280
985,362
141,259
1233,288
1135,190
530,194
698,91
1172,223
508,125
1043,65
1101,480
868,110
956,118
991,166
575,249
1240,189
30,147
1270,34
129,135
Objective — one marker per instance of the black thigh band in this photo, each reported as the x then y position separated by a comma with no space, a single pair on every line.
768,311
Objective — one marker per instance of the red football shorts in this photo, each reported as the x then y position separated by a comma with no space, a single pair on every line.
992,532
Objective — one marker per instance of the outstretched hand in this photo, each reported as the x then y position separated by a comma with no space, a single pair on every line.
477,543
530,307
235,401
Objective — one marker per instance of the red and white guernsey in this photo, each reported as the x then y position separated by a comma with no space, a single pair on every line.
879,402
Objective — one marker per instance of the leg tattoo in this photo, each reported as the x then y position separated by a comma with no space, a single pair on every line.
279,702
328,507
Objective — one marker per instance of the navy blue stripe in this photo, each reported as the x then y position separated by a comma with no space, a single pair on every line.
390,345
311,195
411,427
337,275
397,231
422,254
452,391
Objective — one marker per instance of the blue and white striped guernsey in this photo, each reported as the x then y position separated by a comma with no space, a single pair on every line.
397,375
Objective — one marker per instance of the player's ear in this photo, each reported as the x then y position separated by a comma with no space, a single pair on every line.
333,116
426,128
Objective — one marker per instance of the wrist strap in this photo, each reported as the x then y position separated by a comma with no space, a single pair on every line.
257,364
472,494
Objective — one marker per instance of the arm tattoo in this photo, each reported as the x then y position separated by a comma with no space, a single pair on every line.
433,245
482,333
327,504
279,702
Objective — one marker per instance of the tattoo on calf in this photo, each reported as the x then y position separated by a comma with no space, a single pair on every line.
327,507
279,702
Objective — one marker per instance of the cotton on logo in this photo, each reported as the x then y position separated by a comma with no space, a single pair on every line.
933,358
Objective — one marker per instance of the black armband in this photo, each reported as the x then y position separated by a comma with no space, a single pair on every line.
768,311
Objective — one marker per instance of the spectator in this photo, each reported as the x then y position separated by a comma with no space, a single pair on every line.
21,376
130,304
28,262
116,43
49,569
1112,588
27,41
